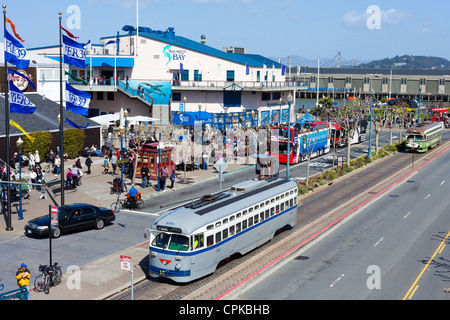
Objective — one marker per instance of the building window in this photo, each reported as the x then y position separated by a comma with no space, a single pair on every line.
99,95
176,96
110,96
197,75
185,75
276,96
230,75
265,96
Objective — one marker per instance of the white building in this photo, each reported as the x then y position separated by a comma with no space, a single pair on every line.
179,75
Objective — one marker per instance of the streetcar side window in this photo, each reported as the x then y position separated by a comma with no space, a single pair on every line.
250,221
244,224
291,202
218,237
282,207
266,214
272,211
225,233
210,240
231,230
197,241
256,219
238,227
261,216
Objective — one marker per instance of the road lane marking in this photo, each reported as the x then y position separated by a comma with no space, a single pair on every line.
378,242
427,196
442,182
337,280
406,215
414,286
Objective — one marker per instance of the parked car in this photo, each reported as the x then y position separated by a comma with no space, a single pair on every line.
72,217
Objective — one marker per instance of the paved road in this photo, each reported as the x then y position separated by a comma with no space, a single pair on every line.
393,248
128,228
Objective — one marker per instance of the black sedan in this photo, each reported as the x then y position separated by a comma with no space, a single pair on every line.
72,217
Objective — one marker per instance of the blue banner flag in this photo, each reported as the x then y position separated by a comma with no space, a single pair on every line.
247,69
18,103
283,70
15,52
73,124
74,53
77,100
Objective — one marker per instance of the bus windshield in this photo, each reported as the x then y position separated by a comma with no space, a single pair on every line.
171,241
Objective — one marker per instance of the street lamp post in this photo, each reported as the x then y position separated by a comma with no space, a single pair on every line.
61,156
289,98
369,152
279,117
19,144
122,131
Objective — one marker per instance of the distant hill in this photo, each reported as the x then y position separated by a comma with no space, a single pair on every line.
409,62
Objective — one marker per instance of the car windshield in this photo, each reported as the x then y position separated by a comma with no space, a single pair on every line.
171,241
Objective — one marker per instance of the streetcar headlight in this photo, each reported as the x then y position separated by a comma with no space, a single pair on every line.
177,266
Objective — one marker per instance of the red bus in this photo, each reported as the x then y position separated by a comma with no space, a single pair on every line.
314,142
339,135
438,114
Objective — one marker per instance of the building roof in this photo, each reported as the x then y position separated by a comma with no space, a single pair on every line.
169,37
371,71
43,119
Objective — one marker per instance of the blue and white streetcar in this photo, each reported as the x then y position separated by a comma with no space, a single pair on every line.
189,242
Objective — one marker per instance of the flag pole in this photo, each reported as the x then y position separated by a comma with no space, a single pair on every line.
61,114
8,169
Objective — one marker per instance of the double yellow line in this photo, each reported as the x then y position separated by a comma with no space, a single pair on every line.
414,286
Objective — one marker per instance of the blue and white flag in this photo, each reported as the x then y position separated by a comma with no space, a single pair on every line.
247,69
77,100
73,124
15,52
283,70
18,103
74,53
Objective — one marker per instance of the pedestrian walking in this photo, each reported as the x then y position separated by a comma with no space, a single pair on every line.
172,179
144,176
114,163
37,159
164,174
105,166
88,164
23,279
57,165
4,200
43,191
69,177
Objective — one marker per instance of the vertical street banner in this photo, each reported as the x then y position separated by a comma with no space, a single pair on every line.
74,53
15,52
77,100
18,102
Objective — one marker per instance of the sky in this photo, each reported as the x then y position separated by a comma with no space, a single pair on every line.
360,30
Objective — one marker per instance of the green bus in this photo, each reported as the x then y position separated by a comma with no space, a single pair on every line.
422,138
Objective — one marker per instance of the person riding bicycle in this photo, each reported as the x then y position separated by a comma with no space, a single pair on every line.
132,197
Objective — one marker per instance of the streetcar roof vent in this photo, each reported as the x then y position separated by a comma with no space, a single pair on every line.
247,186
207,199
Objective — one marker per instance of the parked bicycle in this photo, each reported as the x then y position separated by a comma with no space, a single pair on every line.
50,276
126,203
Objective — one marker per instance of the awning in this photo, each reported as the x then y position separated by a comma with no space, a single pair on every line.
192,118
106,61
306,118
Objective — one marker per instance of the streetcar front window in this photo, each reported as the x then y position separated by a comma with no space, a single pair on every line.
415,137
171,242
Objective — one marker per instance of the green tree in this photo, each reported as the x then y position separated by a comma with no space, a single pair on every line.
42,143
73,142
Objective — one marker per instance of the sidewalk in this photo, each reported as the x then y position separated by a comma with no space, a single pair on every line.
102,277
